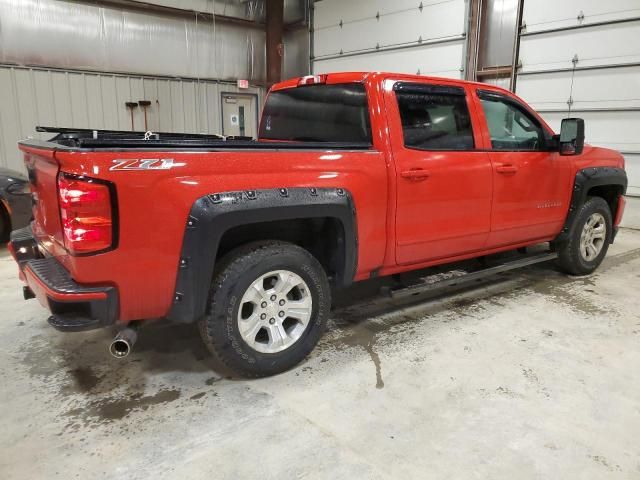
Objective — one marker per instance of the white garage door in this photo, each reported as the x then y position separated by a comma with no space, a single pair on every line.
586,54
404,36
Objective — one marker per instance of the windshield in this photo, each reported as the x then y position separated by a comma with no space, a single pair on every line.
317,113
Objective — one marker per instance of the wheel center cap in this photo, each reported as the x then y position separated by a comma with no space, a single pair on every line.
271,310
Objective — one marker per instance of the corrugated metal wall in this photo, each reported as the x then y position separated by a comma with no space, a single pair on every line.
406,36
602,84
75,64
294,10
76,35
130,38
37,96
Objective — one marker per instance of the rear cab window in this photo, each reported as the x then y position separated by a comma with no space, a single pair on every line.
434,117
318,113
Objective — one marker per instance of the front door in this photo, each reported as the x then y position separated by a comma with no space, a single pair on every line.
239,115
444,186
531,185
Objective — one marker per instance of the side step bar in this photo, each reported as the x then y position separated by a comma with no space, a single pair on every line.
440,286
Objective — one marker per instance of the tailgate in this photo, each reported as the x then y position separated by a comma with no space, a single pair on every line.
42,169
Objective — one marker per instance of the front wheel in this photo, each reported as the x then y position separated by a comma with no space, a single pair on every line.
269,306
589,238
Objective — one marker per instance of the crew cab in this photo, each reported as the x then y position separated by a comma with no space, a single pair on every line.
353,176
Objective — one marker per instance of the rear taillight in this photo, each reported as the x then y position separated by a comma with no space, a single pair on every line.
86,213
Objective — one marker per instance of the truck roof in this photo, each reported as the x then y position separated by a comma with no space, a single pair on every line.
360,77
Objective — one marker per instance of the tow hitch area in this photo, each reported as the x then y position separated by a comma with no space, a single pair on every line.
435,284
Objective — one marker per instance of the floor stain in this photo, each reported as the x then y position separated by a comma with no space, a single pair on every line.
364,336
604,462
212,380
85,379
376,361
112,409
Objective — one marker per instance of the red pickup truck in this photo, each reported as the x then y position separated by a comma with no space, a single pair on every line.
353,176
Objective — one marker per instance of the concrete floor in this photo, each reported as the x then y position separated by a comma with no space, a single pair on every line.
534,375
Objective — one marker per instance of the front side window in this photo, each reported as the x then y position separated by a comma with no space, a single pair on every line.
434,118
317,113
511,127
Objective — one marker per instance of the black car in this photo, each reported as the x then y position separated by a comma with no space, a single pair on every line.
15,202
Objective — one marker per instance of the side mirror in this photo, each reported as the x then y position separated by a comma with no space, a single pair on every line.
571,136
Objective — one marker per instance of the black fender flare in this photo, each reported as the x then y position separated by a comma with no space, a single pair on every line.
585,180
214,214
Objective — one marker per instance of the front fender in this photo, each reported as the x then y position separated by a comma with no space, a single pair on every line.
585,180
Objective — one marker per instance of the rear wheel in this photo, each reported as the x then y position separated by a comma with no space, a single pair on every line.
589,238
269,306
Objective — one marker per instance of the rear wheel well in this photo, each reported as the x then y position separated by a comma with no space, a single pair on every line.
609,193
323,237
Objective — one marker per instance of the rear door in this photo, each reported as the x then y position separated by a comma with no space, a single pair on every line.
444,184
532,185
239,115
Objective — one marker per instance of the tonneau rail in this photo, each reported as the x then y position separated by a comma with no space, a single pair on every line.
79,138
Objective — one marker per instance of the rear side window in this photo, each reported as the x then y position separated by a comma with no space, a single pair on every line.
318,113
434,118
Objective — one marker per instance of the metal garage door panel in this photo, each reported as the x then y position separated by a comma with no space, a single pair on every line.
610,88
594,46
633,172
330,12
545,90
439,60
400,27
617,130
546,14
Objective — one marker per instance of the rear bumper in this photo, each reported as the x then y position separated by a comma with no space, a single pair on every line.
74,307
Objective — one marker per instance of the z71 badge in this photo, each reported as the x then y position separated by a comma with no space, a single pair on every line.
145,164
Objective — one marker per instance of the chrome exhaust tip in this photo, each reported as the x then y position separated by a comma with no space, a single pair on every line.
123,343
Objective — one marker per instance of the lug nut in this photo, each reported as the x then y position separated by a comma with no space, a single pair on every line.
273,298
263,304
272,321
281,314
281,302
263,316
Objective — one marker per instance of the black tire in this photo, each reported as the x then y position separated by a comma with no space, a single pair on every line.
235,273
570,258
